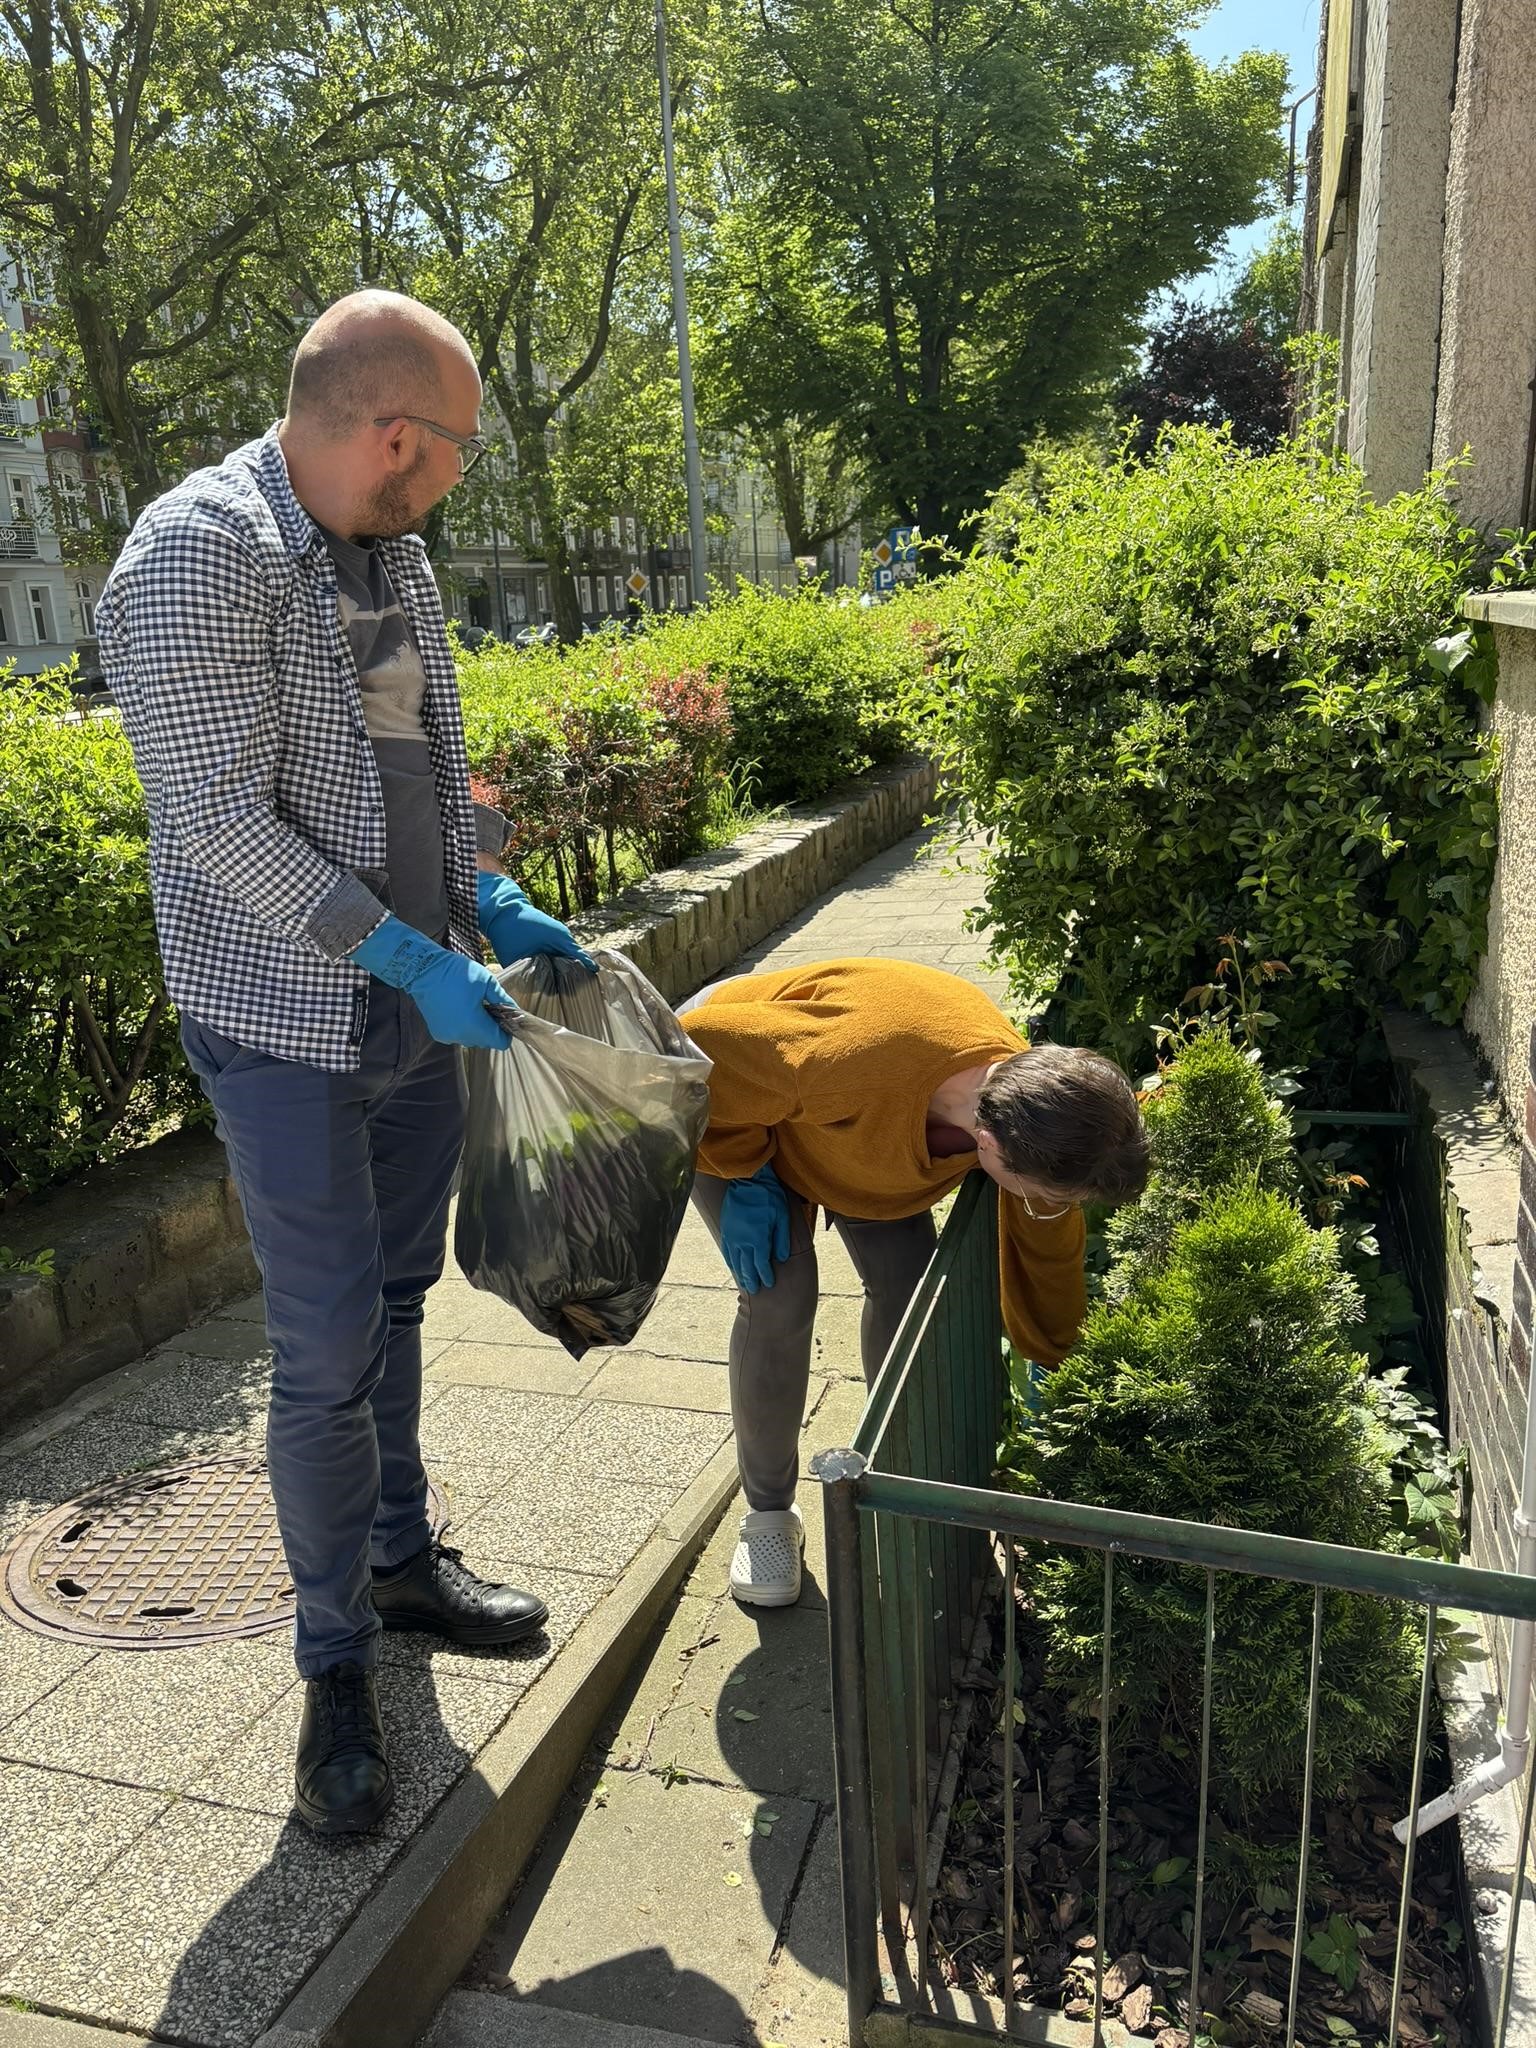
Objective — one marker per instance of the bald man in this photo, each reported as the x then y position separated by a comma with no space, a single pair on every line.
321,877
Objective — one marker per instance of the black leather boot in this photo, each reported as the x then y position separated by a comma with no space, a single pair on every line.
435,1591
342,1784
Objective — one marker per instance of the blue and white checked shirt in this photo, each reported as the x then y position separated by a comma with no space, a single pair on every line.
221,641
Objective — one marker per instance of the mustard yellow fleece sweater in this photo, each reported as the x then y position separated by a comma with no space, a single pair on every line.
828,1072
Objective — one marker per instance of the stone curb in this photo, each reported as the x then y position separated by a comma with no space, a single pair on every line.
380,1983
685,925
153,1243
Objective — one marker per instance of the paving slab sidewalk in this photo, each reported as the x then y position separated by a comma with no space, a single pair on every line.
688,1891
151,1879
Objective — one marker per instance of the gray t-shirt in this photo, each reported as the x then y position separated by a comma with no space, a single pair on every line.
393,685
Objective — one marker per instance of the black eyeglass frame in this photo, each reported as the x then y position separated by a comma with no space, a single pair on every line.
460,441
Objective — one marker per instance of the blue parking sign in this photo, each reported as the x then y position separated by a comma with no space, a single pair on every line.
885,579
903,541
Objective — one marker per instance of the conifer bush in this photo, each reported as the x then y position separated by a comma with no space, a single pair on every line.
1220,1382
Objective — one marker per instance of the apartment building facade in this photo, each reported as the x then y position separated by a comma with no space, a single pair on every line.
1421,246
59,491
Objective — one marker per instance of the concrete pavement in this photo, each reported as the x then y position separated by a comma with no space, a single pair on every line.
151,1879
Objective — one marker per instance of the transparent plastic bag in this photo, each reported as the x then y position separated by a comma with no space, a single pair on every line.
580,1147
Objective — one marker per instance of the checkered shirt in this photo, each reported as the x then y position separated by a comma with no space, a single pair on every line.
221,641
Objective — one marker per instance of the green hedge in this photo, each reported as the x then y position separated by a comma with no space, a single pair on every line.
612,758
89,1061
1200,697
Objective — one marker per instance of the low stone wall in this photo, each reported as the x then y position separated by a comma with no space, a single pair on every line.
1465,1197
146,1246
1458,1201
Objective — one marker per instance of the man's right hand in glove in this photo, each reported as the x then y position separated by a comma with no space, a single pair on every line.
455,996
754,1228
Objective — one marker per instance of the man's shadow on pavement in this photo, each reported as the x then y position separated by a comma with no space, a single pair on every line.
256,1950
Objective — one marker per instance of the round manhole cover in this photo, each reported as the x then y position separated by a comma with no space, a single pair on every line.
186,1554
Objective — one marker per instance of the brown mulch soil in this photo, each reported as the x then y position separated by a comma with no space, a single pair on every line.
1356,1871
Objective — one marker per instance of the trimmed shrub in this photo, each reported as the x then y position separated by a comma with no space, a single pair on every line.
611,759
1220,1383
603,771
815,685
1202,695
89,1059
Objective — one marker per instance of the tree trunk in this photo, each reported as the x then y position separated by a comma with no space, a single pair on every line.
124,425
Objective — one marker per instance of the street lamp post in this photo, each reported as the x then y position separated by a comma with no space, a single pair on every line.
501,588
696,544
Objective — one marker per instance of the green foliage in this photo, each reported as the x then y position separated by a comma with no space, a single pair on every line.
89,1062
966,233
606,769
193,182
1267,291
1212,1122
1196,696
815,684
612,759
1219,1382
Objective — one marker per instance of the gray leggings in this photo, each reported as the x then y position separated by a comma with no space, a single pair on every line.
771,1342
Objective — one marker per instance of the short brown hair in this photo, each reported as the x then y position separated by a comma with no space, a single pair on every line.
1068,1119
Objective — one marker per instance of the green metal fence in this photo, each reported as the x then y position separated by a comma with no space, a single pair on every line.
915,1533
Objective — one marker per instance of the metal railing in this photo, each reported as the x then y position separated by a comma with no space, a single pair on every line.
914,1534
18,543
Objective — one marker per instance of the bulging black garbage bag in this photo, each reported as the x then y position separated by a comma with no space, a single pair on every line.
579,1150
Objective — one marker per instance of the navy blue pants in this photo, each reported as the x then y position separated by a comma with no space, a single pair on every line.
345,1181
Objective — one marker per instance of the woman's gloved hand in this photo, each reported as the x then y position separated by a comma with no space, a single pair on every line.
516,929
754,1228
455,996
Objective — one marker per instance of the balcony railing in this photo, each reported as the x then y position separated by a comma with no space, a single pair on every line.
18,543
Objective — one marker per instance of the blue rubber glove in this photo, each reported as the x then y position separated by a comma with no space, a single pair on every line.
754,1228
516,929
450,991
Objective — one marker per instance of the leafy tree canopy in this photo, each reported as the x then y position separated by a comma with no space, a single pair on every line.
949,223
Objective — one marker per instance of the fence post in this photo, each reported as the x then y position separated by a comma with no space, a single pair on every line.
839,1473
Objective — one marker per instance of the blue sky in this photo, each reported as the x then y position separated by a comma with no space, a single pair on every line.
1231,27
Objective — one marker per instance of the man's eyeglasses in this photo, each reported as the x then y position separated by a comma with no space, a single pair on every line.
469,446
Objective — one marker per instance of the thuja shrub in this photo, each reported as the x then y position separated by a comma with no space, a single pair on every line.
1211,1122
1220,1382
89,1059
1200,694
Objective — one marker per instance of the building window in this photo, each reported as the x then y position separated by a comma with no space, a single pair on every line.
614,530
7,634
543,600
620,593
85,605
41,606
602,595
68,490
19,497
10,407
629,535
682,589
584,587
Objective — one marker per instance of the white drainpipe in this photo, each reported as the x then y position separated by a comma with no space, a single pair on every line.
1515,1735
